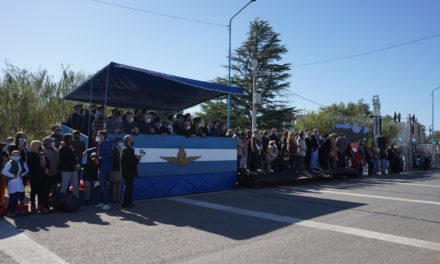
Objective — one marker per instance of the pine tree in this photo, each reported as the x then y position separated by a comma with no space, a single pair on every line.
264,46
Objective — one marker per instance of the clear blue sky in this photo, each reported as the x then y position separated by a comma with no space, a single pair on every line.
88,35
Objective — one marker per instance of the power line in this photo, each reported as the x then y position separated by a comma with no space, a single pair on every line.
367,52
300,96
423,105
159,14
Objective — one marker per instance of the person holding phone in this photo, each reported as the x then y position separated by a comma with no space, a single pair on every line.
129,169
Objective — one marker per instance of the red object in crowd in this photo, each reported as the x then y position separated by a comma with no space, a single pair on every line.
81,187
23,208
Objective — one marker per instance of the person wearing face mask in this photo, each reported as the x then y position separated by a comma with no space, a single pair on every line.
78,146
178,125
145,123
14,171
68,166
98,122
52,155
115,174
239,143
256,148
129,170
56,135
156,127
188,132
197,128
301,151
3,183
104,150
114,123
38,173
129,123
20,144
166,127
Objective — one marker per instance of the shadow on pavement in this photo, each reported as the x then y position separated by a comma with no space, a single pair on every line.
274,200
167,212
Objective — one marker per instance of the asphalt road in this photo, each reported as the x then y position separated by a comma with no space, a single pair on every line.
381,219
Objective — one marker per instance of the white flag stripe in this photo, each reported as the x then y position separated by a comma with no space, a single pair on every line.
154,154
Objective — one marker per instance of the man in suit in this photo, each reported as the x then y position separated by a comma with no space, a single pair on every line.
129,170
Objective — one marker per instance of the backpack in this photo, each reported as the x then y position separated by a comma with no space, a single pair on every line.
14,168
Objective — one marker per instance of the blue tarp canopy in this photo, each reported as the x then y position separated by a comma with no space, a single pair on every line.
124,86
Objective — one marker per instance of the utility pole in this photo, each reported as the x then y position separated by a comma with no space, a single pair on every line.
377,128
254,93
410,143
228,124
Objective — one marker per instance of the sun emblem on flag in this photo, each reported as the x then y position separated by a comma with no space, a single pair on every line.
181,159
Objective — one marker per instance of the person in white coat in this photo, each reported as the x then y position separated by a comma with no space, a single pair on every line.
271,155
14,171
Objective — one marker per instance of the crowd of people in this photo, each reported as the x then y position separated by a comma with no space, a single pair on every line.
89,121
309,150
56,164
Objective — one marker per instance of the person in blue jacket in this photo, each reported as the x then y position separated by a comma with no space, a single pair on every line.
104,151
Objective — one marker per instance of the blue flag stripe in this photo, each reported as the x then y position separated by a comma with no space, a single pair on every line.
202,167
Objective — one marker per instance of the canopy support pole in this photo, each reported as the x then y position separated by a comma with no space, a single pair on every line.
105,98
89,120
62,111
229,112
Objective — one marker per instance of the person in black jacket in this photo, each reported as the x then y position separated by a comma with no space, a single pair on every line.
38,165
75,118
324,152
129,164
90,177
68,166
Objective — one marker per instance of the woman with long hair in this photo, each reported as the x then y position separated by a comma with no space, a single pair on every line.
38,165
68,166
292,148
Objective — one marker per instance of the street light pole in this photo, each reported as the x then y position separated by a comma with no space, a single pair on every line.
432,124
254,93
229,61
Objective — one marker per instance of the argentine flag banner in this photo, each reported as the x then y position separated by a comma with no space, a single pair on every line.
174,165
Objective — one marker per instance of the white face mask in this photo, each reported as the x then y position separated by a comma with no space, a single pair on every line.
97,139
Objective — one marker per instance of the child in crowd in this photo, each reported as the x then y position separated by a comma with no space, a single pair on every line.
14,171
90,177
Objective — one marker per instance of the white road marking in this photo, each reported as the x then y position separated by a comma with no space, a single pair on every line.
365,196
316,225
416,184
22,249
